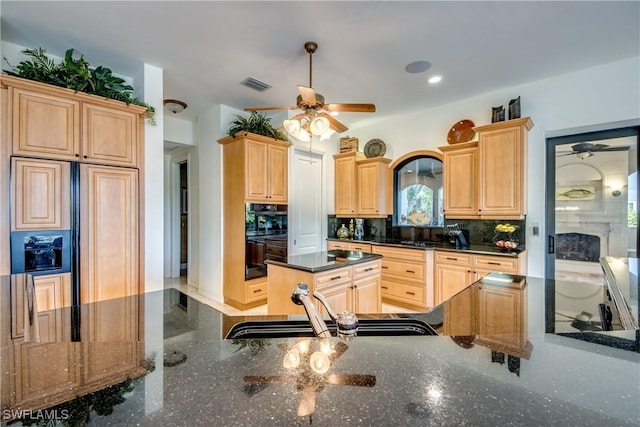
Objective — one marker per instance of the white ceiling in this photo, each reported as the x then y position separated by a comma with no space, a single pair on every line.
207,47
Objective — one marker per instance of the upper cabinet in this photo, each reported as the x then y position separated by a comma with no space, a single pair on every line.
58,123
261,166
486,179
361,185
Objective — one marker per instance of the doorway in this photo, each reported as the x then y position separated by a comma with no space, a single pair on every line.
184,218
592,204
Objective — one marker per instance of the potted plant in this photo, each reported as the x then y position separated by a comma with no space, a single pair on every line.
256,123
75,73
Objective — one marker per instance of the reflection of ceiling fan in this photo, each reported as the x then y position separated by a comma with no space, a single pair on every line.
586,149
315,117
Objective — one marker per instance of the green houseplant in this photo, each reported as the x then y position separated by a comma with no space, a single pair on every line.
75,73
256,123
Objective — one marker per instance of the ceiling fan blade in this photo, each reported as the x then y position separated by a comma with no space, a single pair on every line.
298,116
271,108
356,108
307,405
335,124
565,154
583,146
352,379
615,149
307,94
269,379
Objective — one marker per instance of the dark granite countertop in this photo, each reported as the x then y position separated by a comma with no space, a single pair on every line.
323,261
476,249
195,377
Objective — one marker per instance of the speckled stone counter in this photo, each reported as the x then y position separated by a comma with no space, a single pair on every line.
323,261
465,376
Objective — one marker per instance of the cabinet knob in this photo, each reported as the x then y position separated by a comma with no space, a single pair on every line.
84,156
77,155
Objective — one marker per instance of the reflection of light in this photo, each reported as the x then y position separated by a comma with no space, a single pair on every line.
319,362
567,208
326,348
434,393
303,346
291,359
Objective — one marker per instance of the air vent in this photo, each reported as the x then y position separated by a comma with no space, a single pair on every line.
255,84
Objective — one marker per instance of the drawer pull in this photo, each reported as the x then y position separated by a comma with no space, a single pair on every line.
493,263
257,290
368,269
384,287
410,271
385,267
335,277
452,259
410,293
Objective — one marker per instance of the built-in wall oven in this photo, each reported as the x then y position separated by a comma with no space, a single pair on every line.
265,237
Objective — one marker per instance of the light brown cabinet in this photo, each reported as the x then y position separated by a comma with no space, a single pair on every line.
361,185
487,178
40,194
57,123
109,232
254,169
454,271
266,172
353,288
348,246
407,276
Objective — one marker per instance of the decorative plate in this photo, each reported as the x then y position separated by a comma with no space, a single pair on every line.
375,148
462,131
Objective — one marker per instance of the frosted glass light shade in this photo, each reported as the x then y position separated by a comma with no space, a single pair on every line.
319,125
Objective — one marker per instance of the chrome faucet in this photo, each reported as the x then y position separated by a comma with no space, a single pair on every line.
346,321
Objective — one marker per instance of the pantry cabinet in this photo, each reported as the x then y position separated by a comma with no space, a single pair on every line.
486,179
58,123
361,185
454,271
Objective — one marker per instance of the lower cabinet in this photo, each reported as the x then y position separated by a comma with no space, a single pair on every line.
353,288
406,276
454,271
348,246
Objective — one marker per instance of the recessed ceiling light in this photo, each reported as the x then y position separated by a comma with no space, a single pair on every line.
419,66
435,79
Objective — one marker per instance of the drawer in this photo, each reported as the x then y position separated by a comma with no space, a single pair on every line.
256,291
278,251
333,277
337,245
366,269
402,269
360,247
400,253
409,293
494,263
453,258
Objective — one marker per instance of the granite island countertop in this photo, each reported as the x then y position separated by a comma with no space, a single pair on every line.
196,377
323,261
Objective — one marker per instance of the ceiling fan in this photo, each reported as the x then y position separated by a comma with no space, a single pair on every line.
315,117
584,150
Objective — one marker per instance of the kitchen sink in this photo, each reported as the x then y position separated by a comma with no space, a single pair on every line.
302,328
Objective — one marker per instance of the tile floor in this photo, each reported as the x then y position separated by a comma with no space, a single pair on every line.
181,284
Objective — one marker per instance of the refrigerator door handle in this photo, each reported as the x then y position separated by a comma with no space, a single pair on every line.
31,324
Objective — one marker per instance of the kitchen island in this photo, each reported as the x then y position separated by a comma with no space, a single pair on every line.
349,280
466,376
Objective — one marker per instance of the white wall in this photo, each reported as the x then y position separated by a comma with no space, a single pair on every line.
179,130
597,95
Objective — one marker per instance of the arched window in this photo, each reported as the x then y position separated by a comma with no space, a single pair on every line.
418,191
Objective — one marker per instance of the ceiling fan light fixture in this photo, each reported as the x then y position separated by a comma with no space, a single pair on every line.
292,126
174,105
583,155
319,125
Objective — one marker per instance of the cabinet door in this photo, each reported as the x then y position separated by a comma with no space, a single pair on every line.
256,186
501,163
109,232
40,194
278,165
346,185
450,280
339,297
372,181
45,125
109,136
366,295
460,183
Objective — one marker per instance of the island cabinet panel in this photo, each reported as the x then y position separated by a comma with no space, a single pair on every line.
486,179
406,276
361,185
40,194
457,270
57,123
354,288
